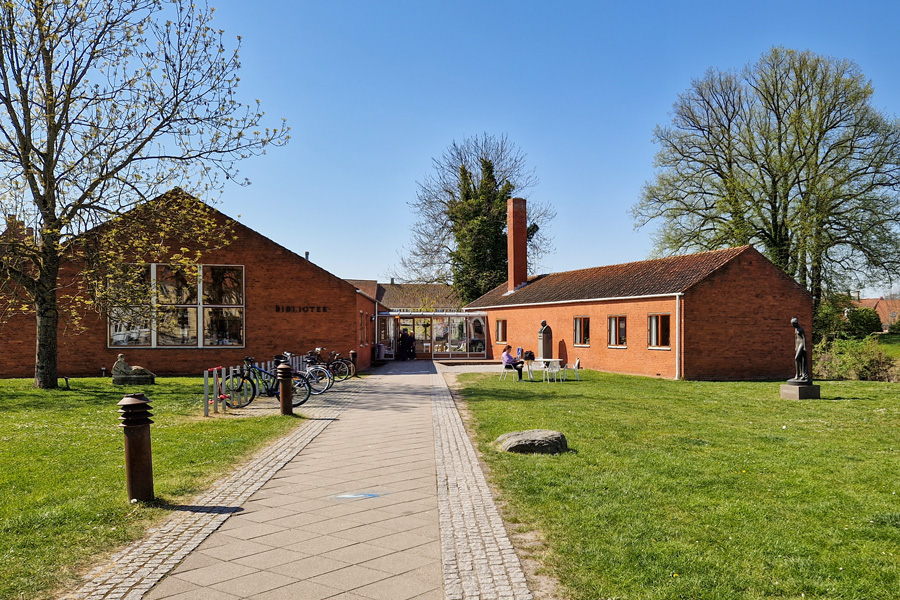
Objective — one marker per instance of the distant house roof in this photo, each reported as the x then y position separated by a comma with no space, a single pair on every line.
888,310
657,277
423,297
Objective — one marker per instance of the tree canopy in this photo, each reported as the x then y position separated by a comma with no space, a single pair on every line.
429,257
104,104
478,224
790,155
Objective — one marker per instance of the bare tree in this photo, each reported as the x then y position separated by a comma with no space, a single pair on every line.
789,155
427,259
103,104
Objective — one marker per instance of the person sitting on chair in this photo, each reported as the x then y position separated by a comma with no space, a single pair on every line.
511,362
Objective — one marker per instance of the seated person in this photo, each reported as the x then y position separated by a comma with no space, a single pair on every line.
510,361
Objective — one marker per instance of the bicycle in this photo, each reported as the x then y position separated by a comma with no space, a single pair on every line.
320,378
342,368
241,389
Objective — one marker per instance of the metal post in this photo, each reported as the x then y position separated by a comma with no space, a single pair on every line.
135,411
285,388
353,360
206,393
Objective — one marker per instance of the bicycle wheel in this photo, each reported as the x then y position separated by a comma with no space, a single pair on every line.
239,391
340,370
319,379
301,391
350,366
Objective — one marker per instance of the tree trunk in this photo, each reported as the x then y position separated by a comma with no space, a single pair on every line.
45,363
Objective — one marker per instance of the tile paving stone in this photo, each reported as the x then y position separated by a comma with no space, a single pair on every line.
433,531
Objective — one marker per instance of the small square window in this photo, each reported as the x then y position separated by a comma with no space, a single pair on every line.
582,331
617,331
500,331
658,328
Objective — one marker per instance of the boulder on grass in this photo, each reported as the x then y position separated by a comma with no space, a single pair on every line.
533,441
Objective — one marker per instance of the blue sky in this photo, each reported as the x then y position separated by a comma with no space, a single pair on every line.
374,90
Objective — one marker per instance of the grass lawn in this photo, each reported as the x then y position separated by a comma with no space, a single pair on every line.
62,474
891,344
703,490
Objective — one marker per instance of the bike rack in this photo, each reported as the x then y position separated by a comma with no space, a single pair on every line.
217,374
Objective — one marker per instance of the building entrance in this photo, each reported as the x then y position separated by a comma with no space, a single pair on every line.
437,335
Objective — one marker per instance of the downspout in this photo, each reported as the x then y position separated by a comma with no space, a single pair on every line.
678,349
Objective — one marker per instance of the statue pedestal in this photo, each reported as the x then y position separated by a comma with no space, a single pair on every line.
800,392
134,379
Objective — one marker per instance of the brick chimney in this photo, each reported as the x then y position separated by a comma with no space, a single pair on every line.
516,243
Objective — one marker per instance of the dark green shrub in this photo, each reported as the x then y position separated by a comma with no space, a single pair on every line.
852,359
895,327
862,322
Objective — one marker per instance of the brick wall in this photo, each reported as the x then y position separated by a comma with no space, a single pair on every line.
737,323
636,358
322,312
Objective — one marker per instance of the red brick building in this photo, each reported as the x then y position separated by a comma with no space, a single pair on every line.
724,314
253,297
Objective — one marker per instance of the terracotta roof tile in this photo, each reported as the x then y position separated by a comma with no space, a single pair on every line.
670,275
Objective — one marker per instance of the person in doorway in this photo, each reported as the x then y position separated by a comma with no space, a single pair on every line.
511,362
404,346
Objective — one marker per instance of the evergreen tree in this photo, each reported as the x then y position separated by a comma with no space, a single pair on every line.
478,224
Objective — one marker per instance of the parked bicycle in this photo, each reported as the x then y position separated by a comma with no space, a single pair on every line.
320,378
341,368
241,389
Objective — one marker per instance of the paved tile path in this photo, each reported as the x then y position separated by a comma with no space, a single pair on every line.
378,497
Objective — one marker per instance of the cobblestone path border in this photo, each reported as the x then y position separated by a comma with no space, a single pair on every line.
130,573
479,560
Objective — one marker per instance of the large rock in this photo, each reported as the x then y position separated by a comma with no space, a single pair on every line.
533,441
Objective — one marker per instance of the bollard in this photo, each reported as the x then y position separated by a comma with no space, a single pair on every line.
353,360
285,388
135,411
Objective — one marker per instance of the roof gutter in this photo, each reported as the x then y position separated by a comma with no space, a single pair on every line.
580,301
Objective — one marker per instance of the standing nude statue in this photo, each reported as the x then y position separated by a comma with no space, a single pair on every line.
801,355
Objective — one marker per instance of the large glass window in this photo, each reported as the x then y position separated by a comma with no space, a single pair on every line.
223,305
658,331
182,315
458,334
582,331
441,329
476,342
617,331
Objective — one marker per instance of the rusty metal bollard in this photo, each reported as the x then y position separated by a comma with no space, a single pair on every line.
135,411
285,388
353,359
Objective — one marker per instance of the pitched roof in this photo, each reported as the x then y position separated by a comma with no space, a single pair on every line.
661,276
410,296
888,309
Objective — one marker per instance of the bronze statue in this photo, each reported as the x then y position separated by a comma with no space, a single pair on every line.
802,375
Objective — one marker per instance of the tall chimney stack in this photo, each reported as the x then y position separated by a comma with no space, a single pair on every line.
516,243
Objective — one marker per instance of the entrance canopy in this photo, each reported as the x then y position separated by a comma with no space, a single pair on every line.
437,334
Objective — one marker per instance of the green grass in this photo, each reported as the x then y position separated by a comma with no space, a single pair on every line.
702,490
62,475
891,344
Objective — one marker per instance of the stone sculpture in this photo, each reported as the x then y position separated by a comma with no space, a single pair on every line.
124,374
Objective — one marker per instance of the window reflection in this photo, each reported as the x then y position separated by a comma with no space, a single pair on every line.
176,326
223,285
223,327
175,286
